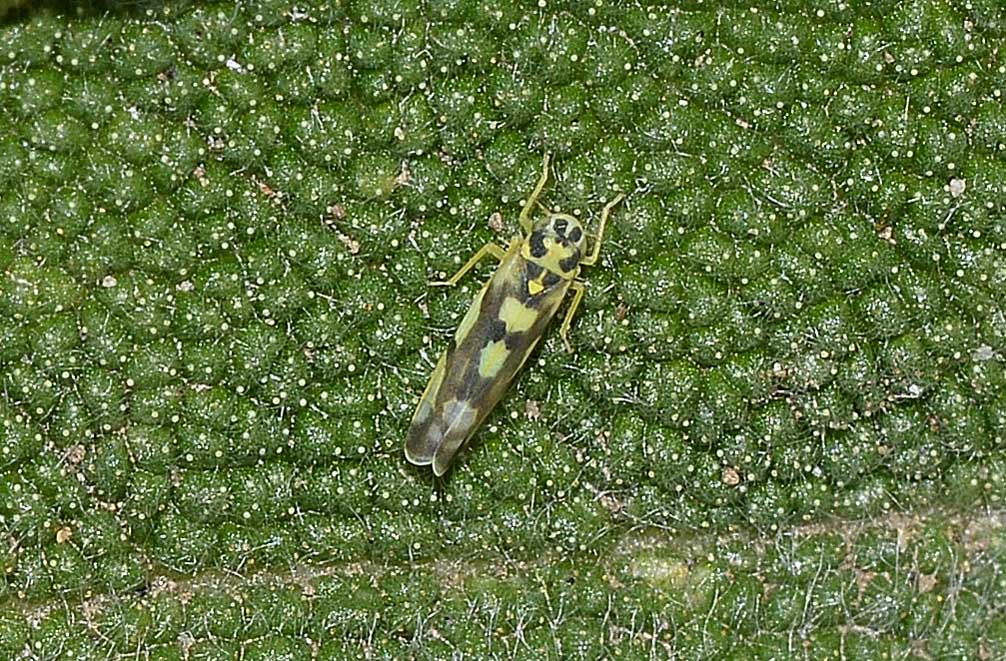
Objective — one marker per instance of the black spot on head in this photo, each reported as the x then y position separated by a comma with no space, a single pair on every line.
570,262
550,279
497,330
576,235
559,226
537,242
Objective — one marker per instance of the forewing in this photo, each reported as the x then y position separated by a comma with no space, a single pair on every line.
426,431
485,390
422,441
491,344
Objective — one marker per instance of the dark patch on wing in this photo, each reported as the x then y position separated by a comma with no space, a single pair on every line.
534,269
550,279
521,345
497,330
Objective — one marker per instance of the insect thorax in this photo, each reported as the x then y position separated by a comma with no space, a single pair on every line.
555,245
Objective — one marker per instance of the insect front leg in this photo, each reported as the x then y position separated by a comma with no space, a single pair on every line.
488,249
591,259
525,214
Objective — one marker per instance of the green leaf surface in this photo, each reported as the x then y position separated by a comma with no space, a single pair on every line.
781,434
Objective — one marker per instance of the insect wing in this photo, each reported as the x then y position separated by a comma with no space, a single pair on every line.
429,426
491,344
422,441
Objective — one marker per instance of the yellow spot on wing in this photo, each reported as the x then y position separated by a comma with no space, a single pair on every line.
517,316
491,359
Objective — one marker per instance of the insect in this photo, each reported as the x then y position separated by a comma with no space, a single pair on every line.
506,319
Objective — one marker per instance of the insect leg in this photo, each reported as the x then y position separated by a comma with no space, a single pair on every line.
577,288
488,249
525,214
592,258
543,207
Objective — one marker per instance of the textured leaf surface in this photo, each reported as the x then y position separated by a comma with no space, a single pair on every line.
781,434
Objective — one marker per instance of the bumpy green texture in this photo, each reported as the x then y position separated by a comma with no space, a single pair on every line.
781,434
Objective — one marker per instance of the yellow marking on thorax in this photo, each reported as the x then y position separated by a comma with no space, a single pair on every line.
534,287
491,359
517,316
550,261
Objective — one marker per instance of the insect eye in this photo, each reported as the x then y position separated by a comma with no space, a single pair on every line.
560,225
576,235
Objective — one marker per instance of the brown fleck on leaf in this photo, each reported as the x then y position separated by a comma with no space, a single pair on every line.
611,503
76,454
63,535
496,221
351,243
731,477
404,177
337,212
925,583
532,410
863,579
934,423
266,189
